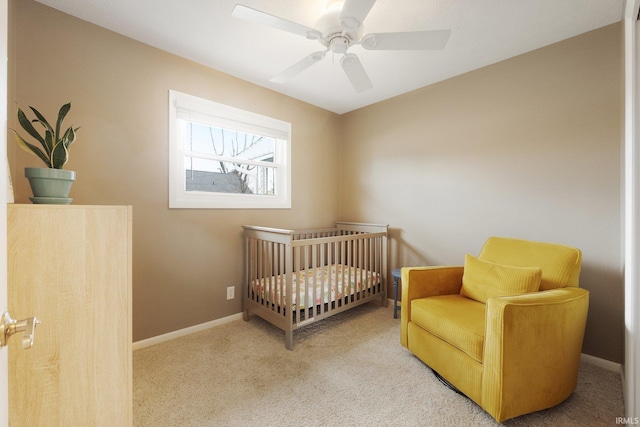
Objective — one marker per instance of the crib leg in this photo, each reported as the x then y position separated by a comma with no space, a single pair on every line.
384,302
245,315
288,340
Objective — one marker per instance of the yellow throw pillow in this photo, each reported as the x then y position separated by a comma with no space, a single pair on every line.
482,280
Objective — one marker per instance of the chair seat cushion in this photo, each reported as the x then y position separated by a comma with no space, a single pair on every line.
458,320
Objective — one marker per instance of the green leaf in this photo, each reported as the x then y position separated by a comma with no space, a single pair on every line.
30,148
69,137
26,125
59,155
49,142
61,115
41,119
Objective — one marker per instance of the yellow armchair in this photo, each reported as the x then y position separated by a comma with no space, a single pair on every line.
506,329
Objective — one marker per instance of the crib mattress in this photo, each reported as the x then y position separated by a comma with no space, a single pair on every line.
319,285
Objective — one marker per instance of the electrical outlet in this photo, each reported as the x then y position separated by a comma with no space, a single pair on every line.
231,292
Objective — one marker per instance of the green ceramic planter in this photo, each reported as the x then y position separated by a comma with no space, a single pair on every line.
50,186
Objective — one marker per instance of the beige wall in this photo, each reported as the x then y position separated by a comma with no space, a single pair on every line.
528,148
183,260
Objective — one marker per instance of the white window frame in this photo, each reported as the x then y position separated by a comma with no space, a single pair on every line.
191,108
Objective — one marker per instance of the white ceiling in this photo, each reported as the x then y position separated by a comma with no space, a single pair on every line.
482,32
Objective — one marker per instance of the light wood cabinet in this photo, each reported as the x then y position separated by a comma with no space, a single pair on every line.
70,266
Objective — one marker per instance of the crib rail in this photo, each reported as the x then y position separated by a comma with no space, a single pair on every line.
293,278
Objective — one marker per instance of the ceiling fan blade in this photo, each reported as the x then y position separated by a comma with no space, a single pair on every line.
414,40
253,15
355,72
354,13
298,67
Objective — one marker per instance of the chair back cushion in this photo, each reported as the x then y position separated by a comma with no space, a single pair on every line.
484,279
560,264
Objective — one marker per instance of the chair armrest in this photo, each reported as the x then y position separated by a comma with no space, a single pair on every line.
532,350
421,282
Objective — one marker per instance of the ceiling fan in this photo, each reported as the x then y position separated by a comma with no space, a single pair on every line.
338,30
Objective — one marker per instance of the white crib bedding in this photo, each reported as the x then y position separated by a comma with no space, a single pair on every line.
321,284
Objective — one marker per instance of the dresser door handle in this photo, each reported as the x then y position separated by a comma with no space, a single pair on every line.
9,326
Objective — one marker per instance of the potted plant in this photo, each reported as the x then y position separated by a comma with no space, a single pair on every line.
53,183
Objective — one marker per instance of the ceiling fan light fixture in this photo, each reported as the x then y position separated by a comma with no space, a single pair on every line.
339,44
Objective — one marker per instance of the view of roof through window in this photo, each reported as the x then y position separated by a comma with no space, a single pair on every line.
228,161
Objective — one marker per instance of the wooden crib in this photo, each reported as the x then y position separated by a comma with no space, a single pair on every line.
294,278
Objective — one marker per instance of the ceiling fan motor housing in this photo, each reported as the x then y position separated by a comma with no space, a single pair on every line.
334,36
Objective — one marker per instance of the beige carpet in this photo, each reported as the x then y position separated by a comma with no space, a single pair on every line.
349,370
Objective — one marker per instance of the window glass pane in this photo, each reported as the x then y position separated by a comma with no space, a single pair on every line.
228,143
226,177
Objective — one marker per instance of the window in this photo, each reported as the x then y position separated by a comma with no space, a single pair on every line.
224,157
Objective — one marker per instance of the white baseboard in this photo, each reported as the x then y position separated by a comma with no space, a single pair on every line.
186,331
197,328
602,363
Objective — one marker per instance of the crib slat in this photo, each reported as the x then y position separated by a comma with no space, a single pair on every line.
363,269
336,262
325,278
365,266
288,306
281,274
340,274
317,266
374,267
263,270
312,287
302,303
